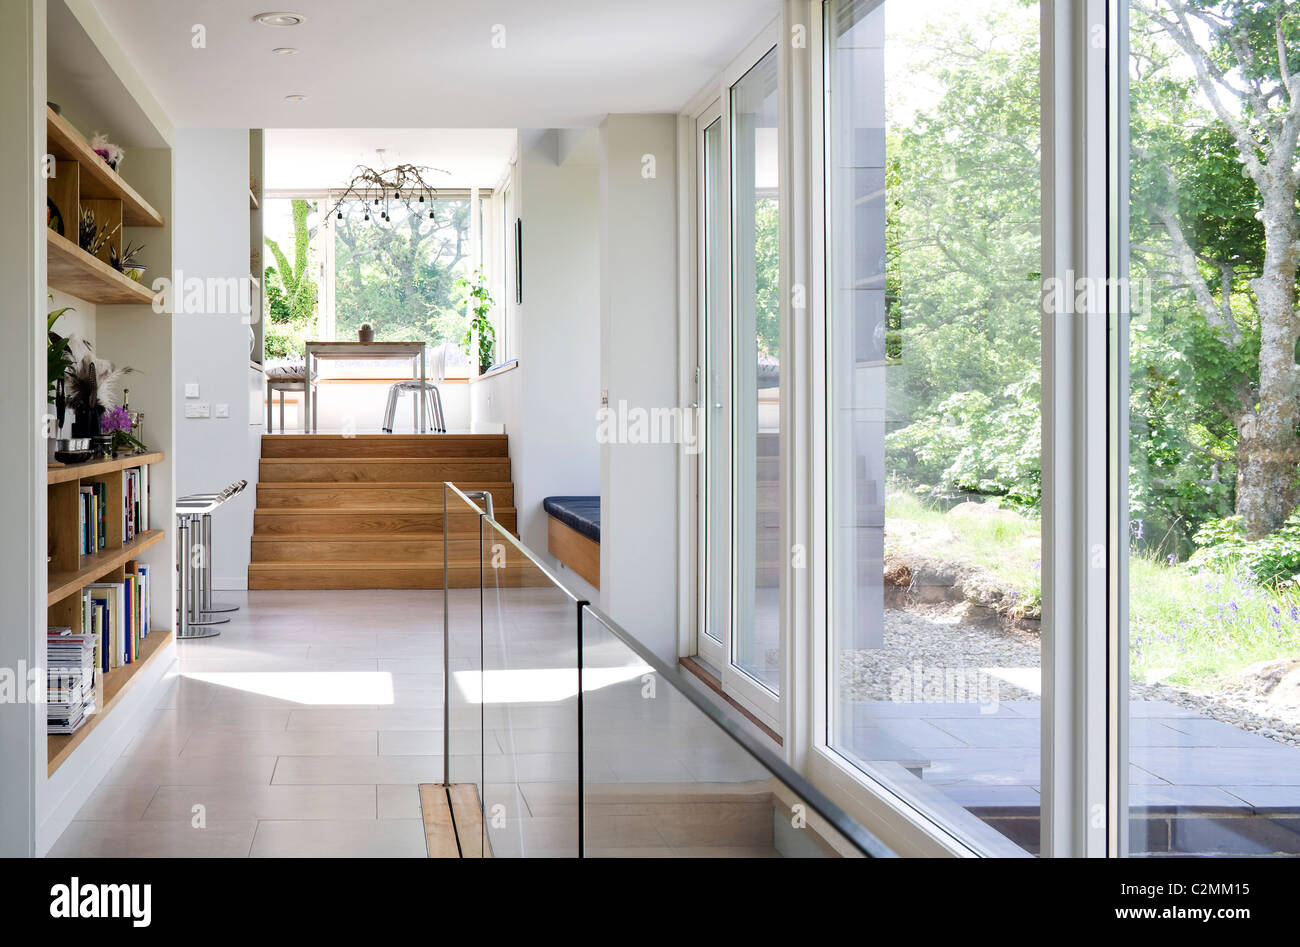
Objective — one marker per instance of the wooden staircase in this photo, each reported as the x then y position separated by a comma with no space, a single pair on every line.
365,512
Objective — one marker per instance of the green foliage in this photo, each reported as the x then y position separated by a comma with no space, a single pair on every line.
961,257
767,275
1223,548
1200,629
479,301
291,295
400,275
976,443
58,359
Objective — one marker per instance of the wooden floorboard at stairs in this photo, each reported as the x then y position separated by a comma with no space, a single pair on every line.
366,512
453,821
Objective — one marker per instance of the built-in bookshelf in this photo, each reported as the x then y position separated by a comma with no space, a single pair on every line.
81,179
72,567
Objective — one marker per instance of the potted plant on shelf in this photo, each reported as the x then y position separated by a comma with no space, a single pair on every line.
92,384
365,332
126,261
58,359
479,301
117,423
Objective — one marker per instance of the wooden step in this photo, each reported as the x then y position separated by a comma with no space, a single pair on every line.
392,548
383,470
371,496
368,523
367,446
381,575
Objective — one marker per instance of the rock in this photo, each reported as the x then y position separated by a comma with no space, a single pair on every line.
1284,699
897,572
1264,677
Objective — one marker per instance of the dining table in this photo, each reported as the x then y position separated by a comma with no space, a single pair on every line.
362,351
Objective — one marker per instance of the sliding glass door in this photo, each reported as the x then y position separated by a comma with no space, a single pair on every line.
756,366
739,634
932,383
713,392
1211,535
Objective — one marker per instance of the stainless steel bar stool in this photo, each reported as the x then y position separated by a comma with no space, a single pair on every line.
205,538
191,623
432,406
194,522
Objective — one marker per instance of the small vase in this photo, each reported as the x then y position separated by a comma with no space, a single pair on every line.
86,421
482,369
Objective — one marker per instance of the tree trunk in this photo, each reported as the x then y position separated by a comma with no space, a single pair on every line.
1268,449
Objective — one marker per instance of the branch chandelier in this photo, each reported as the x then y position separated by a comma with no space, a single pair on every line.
405,184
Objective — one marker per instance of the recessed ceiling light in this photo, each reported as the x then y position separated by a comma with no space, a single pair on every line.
285,51
279,18
296,97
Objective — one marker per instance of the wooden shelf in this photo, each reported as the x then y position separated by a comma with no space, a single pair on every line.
79,274
116,683
94,567
97,178
62,473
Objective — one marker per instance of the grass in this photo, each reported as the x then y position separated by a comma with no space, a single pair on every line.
1003,542
1193,629
1200,629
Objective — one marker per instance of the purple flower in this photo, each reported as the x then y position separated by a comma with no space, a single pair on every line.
1172,558
116,420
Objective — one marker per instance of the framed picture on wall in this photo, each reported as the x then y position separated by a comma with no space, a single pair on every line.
519,261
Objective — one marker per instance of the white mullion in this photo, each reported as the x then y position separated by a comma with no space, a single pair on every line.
1075,367
1118,710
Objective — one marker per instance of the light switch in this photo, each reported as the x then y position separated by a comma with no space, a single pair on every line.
191,390
222,410
200,409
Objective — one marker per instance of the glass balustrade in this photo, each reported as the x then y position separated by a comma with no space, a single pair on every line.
566,737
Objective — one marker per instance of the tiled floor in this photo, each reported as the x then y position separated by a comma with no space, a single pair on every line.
302,730
305,728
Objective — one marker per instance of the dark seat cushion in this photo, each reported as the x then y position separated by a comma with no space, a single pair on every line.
580,513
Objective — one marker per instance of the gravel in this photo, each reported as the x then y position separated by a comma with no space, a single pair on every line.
962,637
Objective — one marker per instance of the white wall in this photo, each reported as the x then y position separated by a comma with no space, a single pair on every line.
548,404
211,348
638,327
22,391
360,407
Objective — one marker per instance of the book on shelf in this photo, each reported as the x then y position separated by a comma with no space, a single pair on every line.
135,502
73,689
93,517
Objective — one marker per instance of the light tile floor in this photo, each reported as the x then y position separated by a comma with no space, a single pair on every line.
304,728
258,749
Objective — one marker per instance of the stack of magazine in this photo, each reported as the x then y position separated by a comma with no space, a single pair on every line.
71,676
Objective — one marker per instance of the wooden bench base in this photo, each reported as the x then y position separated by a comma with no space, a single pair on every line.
575,550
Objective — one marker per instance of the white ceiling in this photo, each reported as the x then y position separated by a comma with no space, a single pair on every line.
430,63
310,158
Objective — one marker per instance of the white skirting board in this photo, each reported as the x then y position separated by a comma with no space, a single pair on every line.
67,790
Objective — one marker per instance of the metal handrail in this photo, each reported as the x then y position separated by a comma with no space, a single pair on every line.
860,838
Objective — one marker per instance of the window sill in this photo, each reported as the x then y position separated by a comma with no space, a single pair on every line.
898,823
498,370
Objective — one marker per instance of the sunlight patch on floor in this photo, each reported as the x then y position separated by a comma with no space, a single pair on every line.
306,687
538,685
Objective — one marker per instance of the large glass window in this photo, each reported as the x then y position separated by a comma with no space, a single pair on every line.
756,339
1213,536
933,336
324,277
